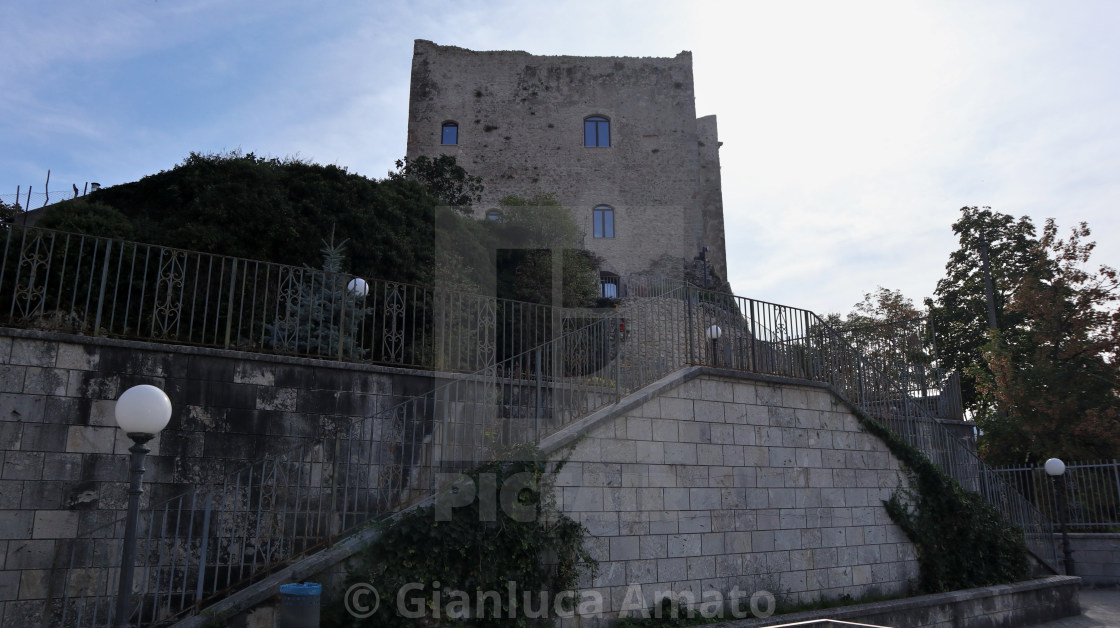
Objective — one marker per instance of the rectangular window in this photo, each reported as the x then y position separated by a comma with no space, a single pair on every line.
450,134
596,131
604,222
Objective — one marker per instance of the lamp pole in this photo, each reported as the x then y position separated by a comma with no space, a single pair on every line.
713,333
1056,469
142,411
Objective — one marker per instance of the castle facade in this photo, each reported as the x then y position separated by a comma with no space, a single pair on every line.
615,139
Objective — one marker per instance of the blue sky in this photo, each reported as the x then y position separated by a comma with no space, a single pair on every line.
853,131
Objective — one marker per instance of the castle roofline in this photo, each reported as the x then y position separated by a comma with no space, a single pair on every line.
422,44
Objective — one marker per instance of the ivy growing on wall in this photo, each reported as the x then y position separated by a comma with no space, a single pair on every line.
962,541
455,560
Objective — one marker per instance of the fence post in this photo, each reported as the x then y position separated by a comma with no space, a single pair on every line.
1116,478
201,582
688,292
617,356
101,292
537,411
754,337
342,321
229,306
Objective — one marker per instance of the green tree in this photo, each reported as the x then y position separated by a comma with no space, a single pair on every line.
270,209
328,311
536,227
958,310
1057,391
8,212
887,327
444,178
82,216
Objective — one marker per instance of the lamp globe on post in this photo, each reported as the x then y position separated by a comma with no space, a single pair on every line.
358,287
142,412
713,333
1056,469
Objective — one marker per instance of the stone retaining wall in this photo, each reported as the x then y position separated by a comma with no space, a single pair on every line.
719,483
1096,557
64,462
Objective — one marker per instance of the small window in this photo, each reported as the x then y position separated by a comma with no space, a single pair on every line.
450,133
493,214
604,221
596,131
608,285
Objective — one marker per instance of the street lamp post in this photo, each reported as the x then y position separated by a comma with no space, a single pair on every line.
1056,469
142,411
713,333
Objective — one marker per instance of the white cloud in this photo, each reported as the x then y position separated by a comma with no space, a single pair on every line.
853,132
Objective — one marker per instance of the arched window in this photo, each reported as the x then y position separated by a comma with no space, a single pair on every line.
493,214
450,133
603,221
596,131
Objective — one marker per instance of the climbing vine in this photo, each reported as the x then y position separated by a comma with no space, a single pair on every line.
494,550
962,541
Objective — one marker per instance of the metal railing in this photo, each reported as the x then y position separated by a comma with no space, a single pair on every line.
1092,493
214,539
199,546
104,287
901,393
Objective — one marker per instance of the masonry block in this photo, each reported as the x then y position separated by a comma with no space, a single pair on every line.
695,522
680,453
720,390
701,567
23,465
33,352
27,554
600,524
624,548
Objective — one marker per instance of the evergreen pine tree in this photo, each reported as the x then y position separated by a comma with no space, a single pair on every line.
327,309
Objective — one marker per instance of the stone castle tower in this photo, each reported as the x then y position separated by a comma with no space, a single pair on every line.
615,139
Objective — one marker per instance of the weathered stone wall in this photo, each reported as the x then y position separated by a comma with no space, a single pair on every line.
720,482
520,120
64,462
1096,557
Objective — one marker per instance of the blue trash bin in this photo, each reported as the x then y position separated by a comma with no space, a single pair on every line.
299,605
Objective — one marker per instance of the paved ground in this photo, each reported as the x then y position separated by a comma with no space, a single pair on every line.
1100,608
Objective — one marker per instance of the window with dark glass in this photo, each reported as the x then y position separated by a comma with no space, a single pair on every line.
596,131
608,285
603,221
494,215
450,133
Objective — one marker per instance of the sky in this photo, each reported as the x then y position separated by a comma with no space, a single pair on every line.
853,132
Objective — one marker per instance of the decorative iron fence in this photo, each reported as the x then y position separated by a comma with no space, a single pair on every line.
197,547
1092,493
200,546
104,287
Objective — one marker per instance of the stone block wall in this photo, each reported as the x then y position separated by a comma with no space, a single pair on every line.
1096,557
521,129
724,482
64,462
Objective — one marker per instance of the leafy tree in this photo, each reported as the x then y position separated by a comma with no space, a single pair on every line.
533,228
82,216
1057,392
887,327
445,179
8,212
267,209
958,310
277,210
